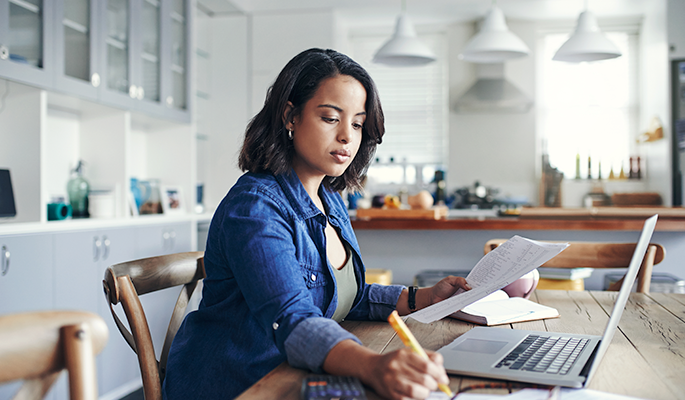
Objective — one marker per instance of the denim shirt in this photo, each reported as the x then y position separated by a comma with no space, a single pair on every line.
269,293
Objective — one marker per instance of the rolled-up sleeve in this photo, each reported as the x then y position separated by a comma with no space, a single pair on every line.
309,343
383,300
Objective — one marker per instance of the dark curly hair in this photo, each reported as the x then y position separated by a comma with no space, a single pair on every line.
266,147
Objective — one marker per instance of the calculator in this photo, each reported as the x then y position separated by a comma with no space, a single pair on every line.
330,387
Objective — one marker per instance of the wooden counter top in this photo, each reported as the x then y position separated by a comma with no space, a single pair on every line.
598,218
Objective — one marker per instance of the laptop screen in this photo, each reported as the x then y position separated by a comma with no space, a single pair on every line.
626,287
7,208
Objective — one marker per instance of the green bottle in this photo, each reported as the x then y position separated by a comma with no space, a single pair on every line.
78,189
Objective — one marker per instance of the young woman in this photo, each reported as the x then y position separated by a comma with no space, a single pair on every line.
283,264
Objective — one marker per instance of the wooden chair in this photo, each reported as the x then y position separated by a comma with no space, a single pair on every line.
602,255
36,346
123,284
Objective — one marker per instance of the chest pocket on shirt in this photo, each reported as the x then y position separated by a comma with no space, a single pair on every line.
313,276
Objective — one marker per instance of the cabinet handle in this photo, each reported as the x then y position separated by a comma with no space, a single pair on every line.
106,241
4,53
169,101
133,91
97,244
5,261
140,93
172,236
95,79
165,240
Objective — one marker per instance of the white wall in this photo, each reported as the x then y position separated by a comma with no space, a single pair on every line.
276,38
21,128
226,115
655,99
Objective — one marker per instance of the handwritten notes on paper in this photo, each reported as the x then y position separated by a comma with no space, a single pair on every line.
500,267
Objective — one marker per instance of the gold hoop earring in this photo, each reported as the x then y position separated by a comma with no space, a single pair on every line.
290,134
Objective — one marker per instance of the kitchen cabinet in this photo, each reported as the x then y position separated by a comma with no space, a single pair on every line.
106,82
47,133
26,275
178,83
157,240
80,261
26,51
144,56
130,54
63,269
76,41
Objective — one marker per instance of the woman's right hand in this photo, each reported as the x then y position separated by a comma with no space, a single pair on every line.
402,374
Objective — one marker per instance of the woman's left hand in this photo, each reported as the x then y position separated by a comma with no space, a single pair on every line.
447,287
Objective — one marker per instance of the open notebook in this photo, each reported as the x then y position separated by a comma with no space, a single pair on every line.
546,358
498,308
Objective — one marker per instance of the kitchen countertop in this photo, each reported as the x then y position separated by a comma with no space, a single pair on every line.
596,218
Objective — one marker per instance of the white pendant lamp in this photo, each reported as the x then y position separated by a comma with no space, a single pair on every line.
494,43
404,49
587,43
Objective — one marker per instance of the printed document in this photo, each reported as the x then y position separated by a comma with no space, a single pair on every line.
500,267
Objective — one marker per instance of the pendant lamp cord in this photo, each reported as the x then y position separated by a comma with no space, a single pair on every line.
404,6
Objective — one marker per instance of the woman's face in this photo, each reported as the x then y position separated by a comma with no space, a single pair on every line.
328,131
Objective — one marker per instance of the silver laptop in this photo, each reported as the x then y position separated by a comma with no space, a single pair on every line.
546,358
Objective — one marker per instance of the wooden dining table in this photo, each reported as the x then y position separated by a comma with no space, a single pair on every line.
646,358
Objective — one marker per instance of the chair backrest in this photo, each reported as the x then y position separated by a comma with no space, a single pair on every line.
36,346
602,255
123,284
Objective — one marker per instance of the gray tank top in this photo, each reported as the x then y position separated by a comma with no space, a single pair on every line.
346,284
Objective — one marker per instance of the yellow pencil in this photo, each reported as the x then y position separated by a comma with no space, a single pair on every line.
410,341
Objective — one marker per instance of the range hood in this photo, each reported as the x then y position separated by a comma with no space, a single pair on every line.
492,93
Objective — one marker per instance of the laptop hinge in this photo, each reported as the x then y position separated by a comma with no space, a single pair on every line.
586,368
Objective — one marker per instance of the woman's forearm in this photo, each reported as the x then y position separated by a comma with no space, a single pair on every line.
349,358
423,299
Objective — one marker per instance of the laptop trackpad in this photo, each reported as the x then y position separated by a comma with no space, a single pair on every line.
480,346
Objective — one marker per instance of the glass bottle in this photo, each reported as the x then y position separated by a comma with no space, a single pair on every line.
589,167
78,189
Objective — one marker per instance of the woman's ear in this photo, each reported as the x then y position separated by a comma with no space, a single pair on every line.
287,115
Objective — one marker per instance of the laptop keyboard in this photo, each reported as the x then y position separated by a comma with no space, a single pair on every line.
550,354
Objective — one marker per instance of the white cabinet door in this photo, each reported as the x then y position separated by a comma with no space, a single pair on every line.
80,261
26,273
163,239
26,276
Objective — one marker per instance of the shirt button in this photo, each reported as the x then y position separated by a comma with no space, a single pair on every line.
313,277
275,325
